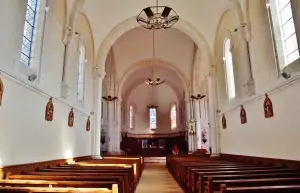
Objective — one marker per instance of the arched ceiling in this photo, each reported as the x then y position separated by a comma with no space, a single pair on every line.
105,16
136,45
137,76
131,58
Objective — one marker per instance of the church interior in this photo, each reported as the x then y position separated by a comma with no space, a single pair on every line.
165,96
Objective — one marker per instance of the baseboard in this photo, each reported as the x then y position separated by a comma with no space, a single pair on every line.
18,169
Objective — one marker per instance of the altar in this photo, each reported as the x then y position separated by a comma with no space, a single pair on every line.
153,145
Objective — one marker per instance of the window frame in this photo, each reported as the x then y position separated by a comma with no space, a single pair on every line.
150,125
225,63
83,62
131,117
280,58
33,32
173,106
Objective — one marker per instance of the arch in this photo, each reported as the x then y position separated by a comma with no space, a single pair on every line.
83,25
76,8
145,63
131,23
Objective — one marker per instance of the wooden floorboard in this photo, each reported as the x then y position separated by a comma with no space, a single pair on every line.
157,179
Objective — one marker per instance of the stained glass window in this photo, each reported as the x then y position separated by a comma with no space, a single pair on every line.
29,31
284,32
81,72
173,117
229,69
152,118
131,117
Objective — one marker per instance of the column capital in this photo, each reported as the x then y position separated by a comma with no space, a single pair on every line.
98,73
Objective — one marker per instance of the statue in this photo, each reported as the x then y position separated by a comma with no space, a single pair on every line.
88,124
1,91
49,110
71,118
175,150
268,107
243,115
224,124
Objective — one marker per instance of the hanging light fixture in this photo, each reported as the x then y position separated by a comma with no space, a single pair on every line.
157,17
153,80
110,98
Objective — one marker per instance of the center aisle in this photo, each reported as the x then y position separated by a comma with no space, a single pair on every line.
157,179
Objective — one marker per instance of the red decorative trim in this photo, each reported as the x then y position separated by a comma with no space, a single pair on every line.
224,124
243,115
71,118
268,107
49,110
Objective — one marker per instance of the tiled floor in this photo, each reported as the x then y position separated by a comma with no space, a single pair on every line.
157,179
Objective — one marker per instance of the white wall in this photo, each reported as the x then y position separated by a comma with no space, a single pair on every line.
275,137
164,96
25,136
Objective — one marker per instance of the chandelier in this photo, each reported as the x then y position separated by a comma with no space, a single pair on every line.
153,80
110,98
157,17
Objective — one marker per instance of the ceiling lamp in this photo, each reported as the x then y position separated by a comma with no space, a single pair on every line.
110,98
157,17
157,82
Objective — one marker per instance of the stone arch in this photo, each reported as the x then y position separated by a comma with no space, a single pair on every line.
82,24
131,23
226,25
75,10
145,63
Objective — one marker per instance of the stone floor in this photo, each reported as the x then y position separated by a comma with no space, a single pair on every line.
157,179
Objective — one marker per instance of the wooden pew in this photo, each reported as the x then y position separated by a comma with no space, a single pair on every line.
118,179
125,179
61,190
259,189
126,173
214,185
202,178
59,184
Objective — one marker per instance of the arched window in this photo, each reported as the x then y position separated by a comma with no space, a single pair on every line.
228,64
81,73
29,31
173,116
152,118
283,31
131,117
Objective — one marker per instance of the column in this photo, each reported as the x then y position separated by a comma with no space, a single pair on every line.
111,127
198,124
98,77
188,114
118,127
70,47
212,116
244,30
